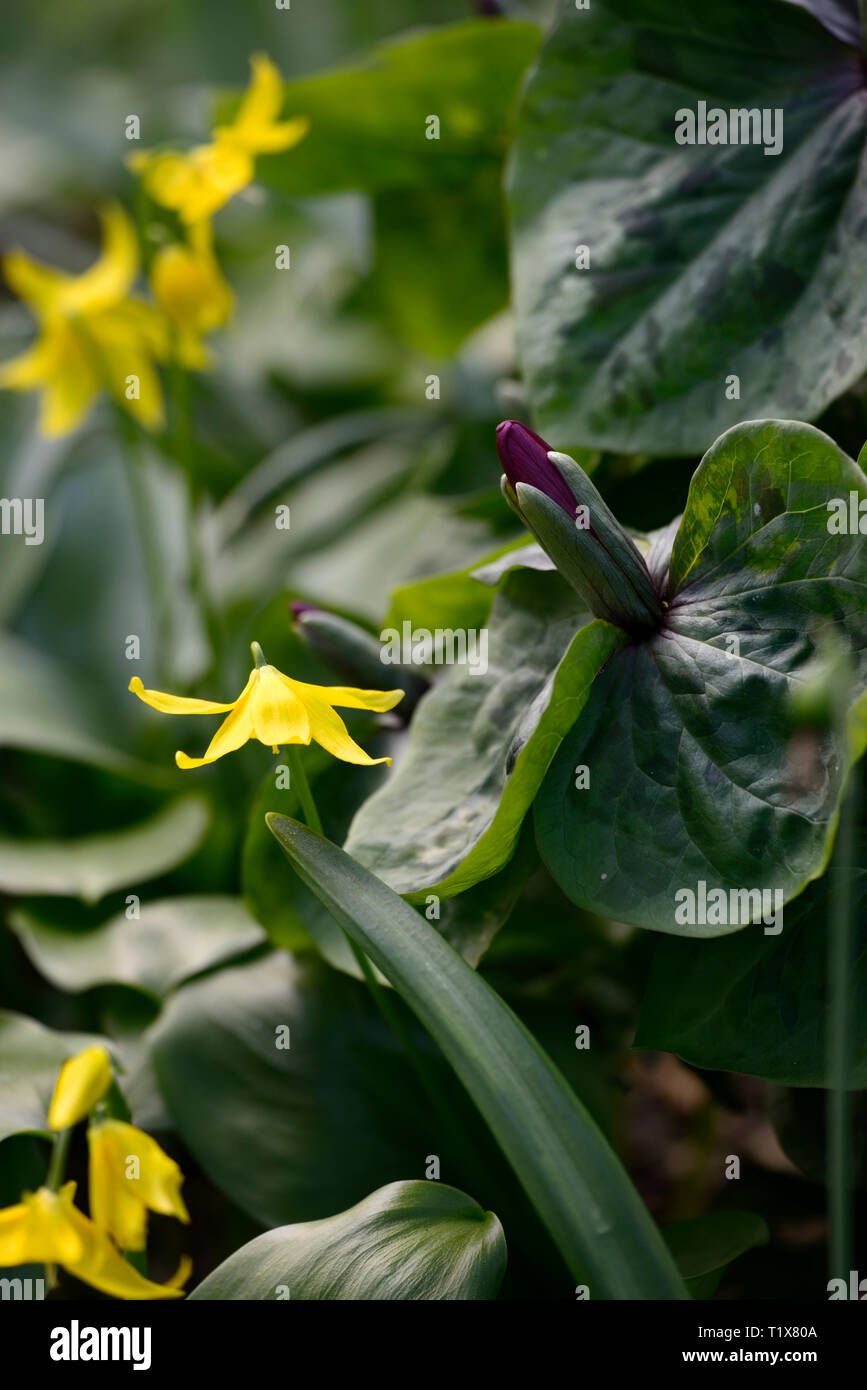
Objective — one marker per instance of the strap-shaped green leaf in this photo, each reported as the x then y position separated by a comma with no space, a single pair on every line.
571,1175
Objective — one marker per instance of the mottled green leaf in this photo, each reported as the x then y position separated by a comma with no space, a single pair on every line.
759,1004
687,736
480,744
706,260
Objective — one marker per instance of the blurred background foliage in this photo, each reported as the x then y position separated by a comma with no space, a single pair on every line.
318,401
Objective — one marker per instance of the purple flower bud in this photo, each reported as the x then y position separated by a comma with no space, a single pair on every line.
524,457
298,608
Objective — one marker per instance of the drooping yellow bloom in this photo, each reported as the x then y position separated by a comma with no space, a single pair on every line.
83,1080
192,293
275,709
93,336
129,1176
197,184
45,1227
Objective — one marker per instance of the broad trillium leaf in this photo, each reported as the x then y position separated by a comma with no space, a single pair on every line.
480,743
759,1004
369,121
701,262
90,866
172,939
410,1240
686,736
31,1056
317,1104
43,710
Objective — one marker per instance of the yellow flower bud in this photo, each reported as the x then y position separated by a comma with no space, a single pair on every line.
83,1080
190,289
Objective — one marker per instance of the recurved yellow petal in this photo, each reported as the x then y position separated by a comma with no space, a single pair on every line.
39,285
38,1230
181,1274
261,103
255,127
102,1265
94,336
32,368
130,1175
176,704
60,363
347,696
112,276
232,734
114,1206
83,1080
330,732
134,382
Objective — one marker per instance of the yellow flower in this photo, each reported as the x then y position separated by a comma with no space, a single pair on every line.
83,1080
92,335
196,184
275,709
46,1228
129,1176
190,289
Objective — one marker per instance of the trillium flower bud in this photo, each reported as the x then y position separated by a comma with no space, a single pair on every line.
566,513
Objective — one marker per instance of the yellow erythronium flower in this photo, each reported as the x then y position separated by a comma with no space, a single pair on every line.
83,1080
46,1228
198,183
189,288
275,709
92,335
129,1176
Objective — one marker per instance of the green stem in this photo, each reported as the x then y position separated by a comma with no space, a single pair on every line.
381,996
182,441
840,966
57,1163
147,531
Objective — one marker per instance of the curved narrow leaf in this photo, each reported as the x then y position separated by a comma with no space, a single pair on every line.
686,736
480,744
410,1241
173,939
565,1165
707,261
93,865
293,916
